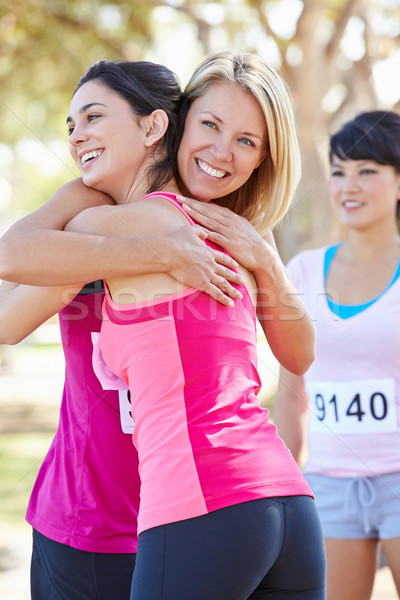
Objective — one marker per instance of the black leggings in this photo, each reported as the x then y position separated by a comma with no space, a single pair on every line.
59,572
269,548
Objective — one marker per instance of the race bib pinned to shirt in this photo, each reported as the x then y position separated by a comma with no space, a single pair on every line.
366,406
125,410
110,381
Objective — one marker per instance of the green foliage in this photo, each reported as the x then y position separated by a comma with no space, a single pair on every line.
45,47
20,458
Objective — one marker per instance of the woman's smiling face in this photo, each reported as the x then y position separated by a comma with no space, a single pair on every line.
224,140
363,192
106,139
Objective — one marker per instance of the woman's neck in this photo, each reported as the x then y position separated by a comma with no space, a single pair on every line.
370,244
140,188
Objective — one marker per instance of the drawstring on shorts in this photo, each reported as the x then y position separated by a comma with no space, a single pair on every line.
360,493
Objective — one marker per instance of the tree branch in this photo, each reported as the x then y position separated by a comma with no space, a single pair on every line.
344,17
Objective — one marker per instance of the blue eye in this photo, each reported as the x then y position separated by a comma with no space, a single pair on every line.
209,124
92,117
247,142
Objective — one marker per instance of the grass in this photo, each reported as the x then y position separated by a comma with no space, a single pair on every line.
21,455
31,382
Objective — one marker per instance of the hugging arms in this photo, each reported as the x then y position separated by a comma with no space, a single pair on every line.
72,259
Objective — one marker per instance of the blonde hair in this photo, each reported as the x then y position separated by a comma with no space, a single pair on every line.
265,198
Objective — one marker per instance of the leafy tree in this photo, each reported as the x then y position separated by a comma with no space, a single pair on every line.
327,50
45,46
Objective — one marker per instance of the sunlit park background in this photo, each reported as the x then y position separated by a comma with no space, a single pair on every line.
339,57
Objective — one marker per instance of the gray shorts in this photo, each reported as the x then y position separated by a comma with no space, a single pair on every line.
358,508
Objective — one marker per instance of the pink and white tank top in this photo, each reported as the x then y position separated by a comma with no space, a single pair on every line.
203,440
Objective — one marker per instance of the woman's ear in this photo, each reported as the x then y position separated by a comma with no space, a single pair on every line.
264,153
398,189
263,156
155,124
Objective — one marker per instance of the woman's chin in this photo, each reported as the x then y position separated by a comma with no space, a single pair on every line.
200,194
92,182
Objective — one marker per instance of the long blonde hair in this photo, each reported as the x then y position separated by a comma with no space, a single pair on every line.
265,198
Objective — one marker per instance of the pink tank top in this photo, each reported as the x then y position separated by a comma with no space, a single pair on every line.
203,440
86,494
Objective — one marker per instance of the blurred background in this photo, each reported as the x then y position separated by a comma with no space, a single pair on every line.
339,57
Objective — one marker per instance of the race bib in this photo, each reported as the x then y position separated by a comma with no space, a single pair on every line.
366,406
110,381
125,409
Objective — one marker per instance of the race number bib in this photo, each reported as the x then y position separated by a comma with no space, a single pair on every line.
366,406
125,409
110,381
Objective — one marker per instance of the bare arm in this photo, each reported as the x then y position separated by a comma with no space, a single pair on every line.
23,308
36,250
61,255
291,413
283,317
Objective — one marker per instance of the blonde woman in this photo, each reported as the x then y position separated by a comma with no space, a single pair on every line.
224,508
235,145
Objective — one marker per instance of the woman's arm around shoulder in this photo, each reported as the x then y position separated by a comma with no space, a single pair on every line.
143,220
288,327
36,251
283,317
23,308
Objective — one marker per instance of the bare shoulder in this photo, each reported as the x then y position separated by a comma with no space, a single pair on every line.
99,220
78,196
153,216
169,216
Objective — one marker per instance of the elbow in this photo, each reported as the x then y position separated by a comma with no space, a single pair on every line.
11,332
304,355
8,270
10,335
9,338
298,363
301,364
306,359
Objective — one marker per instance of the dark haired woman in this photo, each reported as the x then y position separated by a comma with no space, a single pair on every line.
351,394
84,504
247,139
